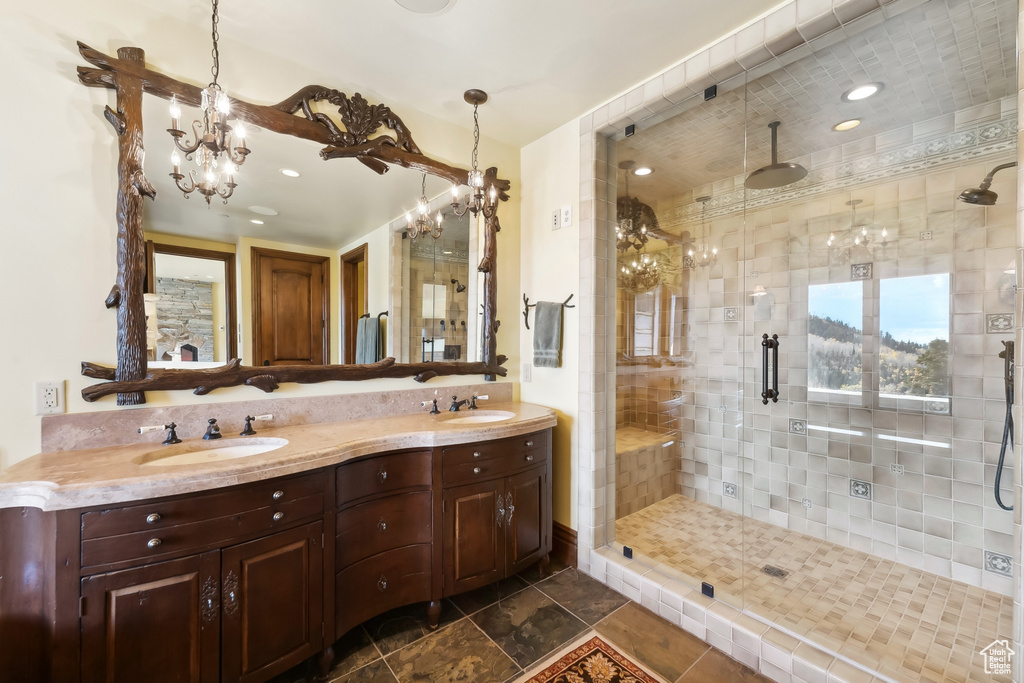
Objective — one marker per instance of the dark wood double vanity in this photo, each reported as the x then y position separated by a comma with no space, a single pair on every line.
242,582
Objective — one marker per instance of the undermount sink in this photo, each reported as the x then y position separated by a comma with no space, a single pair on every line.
480,416
210,451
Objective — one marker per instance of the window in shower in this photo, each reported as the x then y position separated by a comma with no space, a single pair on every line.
913,358
835,326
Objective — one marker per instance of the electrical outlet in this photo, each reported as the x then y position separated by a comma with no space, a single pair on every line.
926,234
567,216
556,219
49,398
896,469
527,375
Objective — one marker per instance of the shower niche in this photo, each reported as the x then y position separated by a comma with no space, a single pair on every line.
850,468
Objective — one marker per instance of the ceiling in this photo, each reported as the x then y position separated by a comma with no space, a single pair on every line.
935,59
542,63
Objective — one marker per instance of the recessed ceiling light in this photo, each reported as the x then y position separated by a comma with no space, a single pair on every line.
263,210
425,6
290,173
643,170
447,251
849,124
861,92
256,221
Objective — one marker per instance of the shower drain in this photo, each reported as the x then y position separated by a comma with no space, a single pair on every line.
771,570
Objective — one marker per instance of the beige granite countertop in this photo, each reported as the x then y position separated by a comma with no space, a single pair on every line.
102,476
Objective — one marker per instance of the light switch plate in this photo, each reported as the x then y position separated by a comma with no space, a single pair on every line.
556,219
527,375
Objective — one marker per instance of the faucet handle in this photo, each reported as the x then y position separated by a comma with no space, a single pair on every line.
172,436
433,410
212,431
248,430
472,401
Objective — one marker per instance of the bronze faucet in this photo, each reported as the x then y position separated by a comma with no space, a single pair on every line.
456,404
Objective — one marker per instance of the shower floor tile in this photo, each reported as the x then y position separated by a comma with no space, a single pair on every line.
902,622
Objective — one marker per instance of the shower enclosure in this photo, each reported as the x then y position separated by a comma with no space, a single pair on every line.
810,397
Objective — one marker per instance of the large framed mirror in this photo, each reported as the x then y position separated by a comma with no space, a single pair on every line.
300,197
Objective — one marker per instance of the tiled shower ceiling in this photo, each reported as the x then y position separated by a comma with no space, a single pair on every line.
934,59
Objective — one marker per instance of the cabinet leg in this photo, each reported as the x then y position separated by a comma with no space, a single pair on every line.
323,663
433,614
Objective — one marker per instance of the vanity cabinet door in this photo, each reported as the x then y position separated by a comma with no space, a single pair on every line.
474,535
527,518
272,603
159,623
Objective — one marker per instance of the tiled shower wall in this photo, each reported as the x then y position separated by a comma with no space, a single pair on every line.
939,513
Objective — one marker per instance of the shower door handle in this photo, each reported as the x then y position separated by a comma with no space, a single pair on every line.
772,393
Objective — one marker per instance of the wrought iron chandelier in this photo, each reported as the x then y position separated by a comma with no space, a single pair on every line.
424,224
708,252
214,149
475,200
839,249
641,275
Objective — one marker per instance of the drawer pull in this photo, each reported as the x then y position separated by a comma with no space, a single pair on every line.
476,470
476,454
382,525
278,495
499,512
382,583
529,458
382,475
278,516
153,518
153,542
529,444
230,593
510,507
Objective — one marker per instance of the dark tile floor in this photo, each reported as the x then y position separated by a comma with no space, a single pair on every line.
498,632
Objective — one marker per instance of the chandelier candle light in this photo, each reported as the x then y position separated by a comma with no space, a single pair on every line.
424,224
214,148
703,247
475,201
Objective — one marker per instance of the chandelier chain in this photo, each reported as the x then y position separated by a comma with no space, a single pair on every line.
423,186
476,134
215,69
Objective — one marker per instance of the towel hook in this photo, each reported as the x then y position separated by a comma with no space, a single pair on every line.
527,306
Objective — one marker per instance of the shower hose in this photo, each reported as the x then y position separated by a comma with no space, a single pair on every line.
1008,424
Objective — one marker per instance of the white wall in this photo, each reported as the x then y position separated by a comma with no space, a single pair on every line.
550,272
58,189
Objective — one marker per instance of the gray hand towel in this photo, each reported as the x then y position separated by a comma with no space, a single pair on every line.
366,340
547,335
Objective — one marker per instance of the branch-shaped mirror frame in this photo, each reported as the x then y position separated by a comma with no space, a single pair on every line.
356,137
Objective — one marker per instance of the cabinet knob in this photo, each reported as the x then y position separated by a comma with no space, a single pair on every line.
476,454
382,525
382,583
382,475
529,458
278,495
529,444
153,542
278,516
476,470
153,518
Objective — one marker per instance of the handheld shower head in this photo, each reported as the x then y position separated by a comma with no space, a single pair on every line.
982,196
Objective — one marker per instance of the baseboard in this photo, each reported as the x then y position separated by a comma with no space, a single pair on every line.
563,544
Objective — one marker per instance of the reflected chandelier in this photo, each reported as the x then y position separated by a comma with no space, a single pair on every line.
641,275
214,148
840,252
708,253
475,200
424,224
633,218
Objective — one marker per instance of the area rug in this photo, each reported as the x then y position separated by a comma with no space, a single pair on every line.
592,661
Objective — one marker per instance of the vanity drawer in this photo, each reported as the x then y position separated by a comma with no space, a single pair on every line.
156,544
382,474
379,583
457,455
160,514
483,470
370,528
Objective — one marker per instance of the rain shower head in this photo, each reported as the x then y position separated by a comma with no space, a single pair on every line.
777,174
982,195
